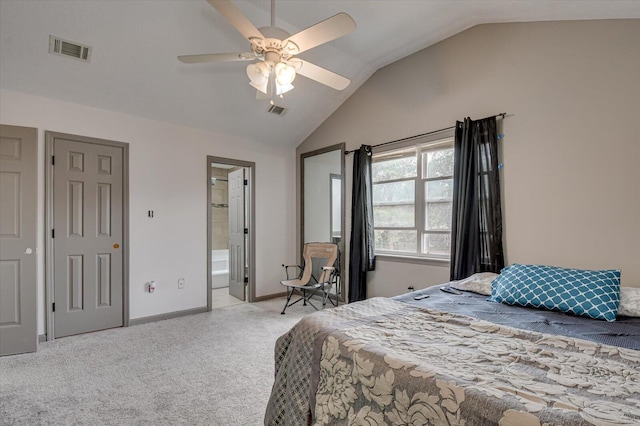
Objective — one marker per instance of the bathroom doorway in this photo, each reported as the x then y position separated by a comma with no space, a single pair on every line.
230,230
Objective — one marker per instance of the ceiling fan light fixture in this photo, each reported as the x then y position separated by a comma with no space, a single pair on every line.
258,73
274,83
283,89
262,87
285,74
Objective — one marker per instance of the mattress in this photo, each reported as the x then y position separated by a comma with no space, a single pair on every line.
624,332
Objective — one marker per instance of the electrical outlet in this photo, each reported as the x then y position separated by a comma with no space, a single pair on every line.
181,282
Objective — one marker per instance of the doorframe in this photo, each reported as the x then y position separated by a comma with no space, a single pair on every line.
49,139
251,250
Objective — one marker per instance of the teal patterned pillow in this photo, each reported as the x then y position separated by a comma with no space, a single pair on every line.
594,294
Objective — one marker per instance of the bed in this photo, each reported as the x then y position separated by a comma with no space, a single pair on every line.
455,360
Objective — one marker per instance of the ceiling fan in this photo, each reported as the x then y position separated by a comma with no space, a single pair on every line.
276,50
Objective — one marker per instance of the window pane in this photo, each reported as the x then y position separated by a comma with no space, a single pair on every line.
394,216
437,163
396,192
405,241
438,216
438,190
395,168
436,244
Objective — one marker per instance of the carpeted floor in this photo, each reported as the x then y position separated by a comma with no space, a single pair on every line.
214,368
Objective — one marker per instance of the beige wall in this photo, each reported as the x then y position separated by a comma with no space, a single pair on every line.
571,150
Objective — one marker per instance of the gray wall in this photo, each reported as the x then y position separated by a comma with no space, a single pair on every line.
571,151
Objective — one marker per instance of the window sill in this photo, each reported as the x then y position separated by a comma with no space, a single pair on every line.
413,259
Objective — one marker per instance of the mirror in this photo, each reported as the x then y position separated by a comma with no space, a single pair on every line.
335,208
322,195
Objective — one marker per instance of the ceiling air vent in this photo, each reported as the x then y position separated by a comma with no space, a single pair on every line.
277,110
74,50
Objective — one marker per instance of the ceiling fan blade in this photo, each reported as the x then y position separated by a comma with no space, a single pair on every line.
321,75
217,57
229,10
322,32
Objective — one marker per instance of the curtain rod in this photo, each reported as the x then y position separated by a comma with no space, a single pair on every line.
502,115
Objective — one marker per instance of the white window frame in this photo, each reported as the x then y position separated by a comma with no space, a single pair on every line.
422,145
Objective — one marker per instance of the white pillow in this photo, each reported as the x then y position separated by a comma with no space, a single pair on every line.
477,283
629,302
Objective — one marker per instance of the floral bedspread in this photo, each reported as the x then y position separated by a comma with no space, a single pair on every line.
382,362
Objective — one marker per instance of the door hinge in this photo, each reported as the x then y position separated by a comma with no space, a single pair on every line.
246,280
53,160
53,233
246,230
246,182
53,306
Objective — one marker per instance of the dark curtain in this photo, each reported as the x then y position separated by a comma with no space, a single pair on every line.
361,257
476,233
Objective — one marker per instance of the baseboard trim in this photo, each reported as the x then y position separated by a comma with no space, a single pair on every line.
270,296
169,315
42,338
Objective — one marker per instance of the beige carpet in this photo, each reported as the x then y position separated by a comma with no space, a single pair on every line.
214,368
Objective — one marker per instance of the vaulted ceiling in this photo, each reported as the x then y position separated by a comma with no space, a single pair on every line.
134,70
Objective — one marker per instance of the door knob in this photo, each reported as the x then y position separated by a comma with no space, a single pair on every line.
28,250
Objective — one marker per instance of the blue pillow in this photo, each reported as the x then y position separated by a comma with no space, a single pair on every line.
594,294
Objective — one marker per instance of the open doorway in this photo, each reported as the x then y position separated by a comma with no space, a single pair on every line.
230,231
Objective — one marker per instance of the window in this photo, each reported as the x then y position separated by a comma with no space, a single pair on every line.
412,199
